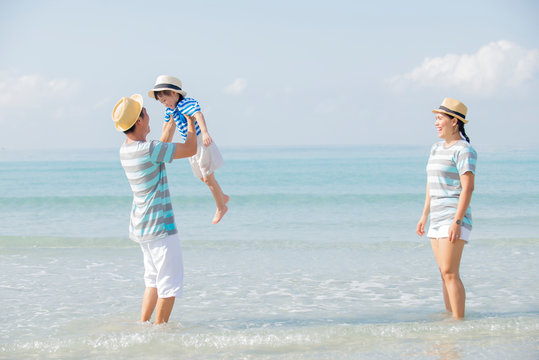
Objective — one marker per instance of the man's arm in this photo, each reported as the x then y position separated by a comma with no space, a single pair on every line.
168,130
189,147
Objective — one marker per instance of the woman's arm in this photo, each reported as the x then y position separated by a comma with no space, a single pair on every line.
467,183
420,230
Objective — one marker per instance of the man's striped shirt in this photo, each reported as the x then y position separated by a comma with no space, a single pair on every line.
444,169
144,165
187,106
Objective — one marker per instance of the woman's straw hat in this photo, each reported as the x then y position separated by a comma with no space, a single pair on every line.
126,112
454,108
167,82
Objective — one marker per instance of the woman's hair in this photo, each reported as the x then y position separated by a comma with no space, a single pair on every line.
167,92
462,131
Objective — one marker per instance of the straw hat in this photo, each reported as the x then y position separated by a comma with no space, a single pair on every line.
167,82
454,108
126,112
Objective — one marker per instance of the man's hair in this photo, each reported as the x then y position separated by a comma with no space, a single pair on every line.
132,128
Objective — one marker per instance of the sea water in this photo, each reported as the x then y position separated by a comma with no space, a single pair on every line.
317,258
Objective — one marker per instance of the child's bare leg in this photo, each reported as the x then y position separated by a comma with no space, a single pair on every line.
220,198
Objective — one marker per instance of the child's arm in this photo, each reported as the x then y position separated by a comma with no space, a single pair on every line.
199,117
168,130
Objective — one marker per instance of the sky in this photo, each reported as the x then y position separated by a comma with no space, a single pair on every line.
271,73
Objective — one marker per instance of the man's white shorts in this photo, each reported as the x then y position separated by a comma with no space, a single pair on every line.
163,266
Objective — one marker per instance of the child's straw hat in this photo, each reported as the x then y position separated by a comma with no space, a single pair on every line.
126,112
454,108
167,82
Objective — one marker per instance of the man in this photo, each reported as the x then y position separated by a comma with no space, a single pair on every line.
152,219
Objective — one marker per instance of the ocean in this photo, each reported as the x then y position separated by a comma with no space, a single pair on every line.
317,258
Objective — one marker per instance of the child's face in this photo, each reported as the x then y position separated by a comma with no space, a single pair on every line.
168,98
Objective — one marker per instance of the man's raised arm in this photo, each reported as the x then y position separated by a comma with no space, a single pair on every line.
189,147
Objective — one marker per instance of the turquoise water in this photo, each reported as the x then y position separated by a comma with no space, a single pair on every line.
316,259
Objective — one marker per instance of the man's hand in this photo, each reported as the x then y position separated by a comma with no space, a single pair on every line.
167,133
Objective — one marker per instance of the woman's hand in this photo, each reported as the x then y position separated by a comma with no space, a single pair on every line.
420,230
454,232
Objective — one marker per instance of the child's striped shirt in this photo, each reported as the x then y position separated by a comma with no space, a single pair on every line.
187,106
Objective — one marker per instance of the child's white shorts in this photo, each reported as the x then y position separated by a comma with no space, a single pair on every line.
443,232
207,159
163,266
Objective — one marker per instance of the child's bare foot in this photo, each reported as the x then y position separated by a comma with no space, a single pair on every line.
219,215
227,198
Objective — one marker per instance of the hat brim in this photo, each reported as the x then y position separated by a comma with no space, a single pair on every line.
450,114
139,100
151,93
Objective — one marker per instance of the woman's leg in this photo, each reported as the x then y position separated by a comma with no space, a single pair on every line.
220,198
448,257
434,244
447,302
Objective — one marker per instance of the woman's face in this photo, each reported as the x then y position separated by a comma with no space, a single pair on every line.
168,98
445,125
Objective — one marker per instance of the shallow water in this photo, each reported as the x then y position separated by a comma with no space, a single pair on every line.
307,265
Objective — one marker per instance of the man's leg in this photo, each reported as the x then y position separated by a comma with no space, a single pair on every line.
164,308
148,303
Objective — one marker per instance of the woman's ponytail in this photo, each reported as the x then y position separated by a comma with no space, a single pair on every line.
462,131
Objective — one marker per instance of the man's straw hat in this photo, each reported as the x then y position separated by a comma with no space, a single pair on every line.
453,108
167,82
126,112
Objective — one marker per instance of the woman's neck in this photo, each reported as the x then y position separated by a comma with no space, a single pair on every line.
450,140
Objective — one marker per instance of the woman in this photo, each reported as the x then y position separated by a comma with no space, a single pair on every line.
450,183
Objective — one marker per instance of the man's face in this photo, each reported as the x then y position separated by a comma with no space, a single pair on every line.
145,121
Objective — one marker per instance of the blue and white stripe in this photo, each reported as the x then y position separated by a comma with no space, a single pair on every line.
444,169
151,213
187,106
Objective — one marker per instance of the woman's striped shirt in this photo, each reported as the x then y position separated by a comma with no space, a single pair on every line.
444,169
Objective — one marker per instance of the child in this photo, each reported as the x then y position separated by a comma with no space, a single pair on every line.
168,91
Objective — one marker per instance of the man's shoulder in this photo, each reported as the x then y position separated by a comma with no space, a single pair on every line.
135,149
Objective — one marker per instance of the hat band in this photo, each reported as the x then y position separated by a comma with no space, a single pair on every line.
168,86
452,111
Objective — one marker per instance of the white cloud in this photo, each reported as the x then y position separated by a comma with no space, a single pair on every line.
237,87
33,90
495,65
